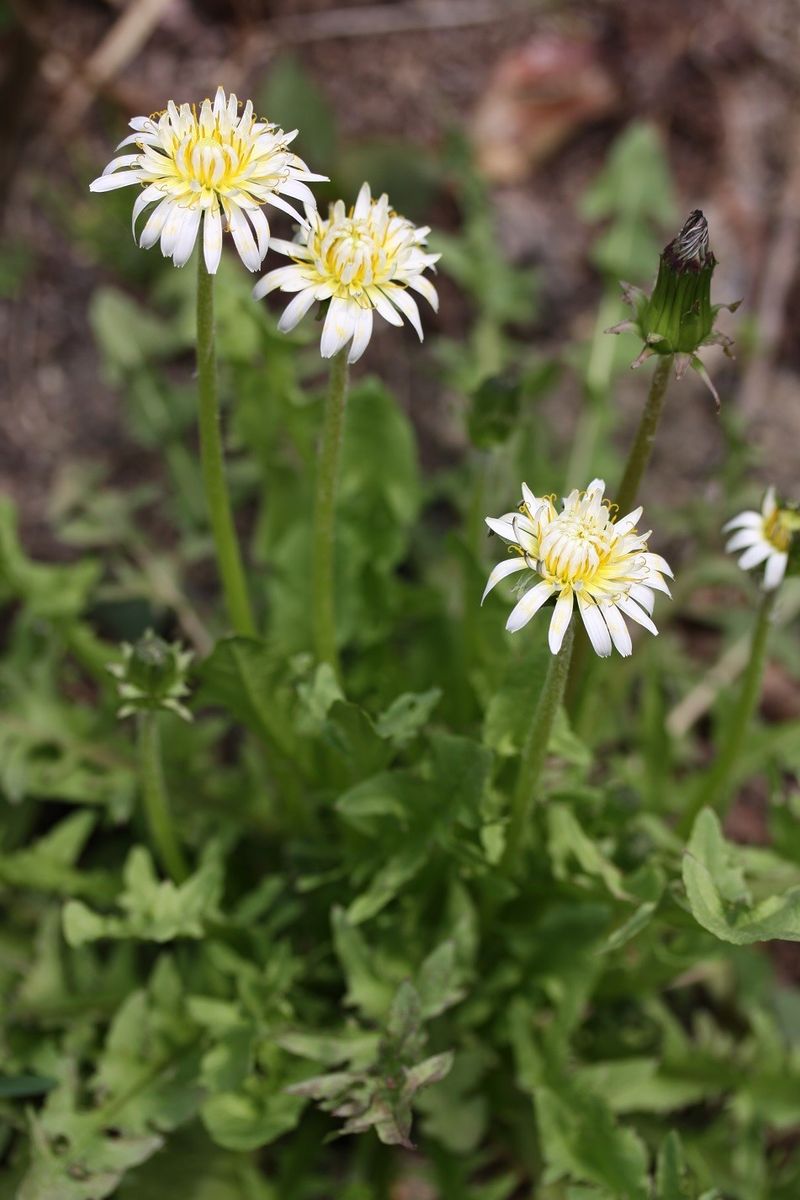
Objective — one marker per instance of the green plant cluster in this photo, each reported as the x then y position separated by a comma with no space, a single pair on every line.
348,995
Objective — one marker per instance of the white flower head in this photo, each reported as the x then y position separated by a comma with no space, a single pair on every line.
216,167
765,537
363,261
583,554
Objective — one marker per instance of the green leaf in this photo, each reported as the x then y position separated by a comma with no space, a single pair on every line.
48,591
406,716
567,840
154,910
719,898
242,675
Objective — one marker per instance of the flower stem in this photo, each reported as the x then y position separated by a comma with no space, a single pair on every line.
714,789
330,452
535,750
229,558
625,499
642,447
156,801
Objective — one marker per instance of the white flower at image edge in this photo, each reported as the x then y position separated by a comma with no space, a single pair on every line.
214,169
363,261
582,555
764,537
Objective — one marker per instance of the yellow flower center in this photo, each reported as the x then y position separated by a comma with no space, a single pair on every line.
351,254
779,527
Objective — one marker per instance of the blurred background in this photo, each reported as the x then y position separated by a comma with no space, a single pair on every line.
571,137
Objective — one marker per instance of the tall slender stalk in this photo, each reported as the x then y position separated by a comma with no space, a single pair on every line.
642,447
229,560
714,789
535,749
156,801
625,499
330,452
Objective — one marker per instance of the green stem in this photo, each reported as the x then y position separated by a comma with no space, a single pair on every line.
714,788
642,447
330,452
156,801
625,499
535,750
229,558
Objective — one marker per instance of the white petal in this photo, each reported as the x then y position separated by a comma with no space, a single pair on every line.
745,520
656,563
296,309
425,288
408,306
755,555
509,566
560,621
620,634
107,183
383,306
528,606
743,539
624,525
243,238
148,196
339,326
595,627
644,596
124,160
212,239
363,201
155,223
275,200
631,609
261,226
291,249
361,336
187,236
504,526
288,279
775,570
769,503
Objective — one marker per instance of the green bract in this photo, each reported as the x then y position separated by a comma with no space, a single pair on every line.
152,676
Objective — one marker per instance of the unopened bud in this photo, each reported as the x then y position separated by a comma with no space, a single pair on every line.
151,676
677,318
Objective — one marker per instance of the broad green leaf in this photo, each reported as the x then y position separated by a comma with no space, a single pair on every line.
719,898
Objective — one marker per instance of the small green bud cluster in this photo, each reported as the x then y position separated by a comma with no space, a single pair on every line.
152,676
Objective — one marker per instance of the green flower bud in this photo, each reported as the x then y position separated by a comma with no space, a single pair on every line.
151,676
677,318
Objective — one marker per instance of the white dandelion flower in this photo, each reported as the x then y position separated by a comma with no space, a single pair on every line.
582,554
214,169
363,261
764,537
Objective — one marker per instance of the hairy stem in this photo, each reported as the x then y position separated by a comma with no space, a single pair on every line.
714,788
535,749
229,560
330,452
156,801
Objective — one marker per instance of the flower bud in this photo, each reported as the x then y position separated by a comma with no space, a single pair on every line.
152,676
677,318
